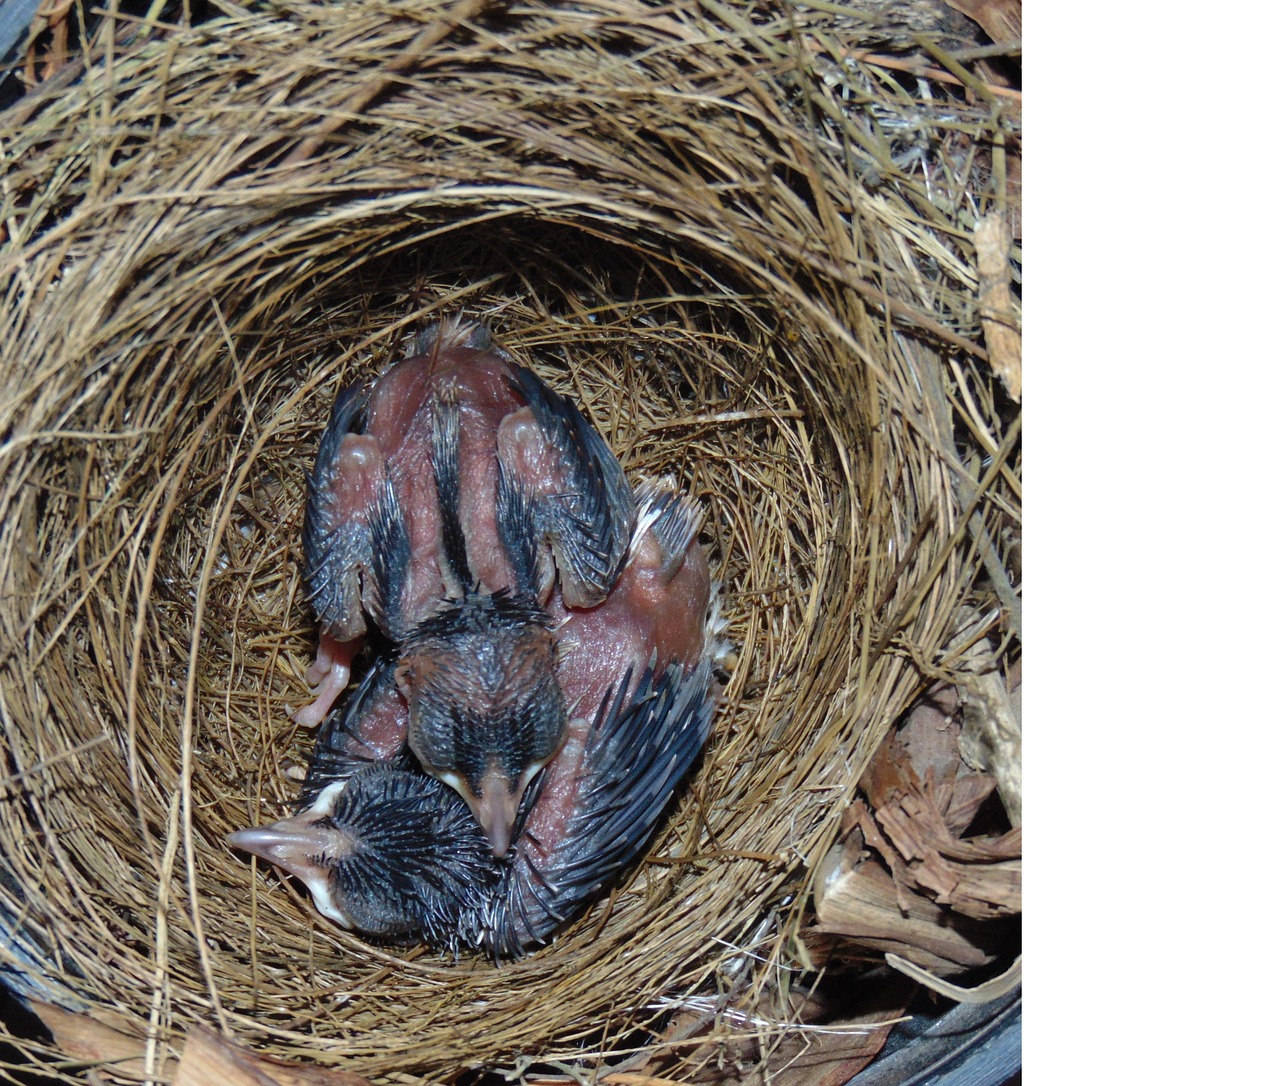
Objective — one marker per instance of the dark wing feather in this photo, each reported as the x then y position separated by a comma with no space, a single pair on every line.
451,334
389,562
589,522
445,433
639,749
335,547
673,517
517,530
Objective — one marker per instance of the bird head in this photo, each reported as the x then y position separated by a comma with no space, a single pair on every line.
485,710
389,853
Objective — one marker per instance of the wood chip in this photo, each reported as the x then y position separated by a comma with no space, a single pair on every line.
905,879
1000,324
209,1059
82,1037
1001,19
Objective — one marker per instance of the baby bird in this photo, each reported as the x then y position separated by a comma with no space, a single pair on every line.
637,674
485,711
390,853
535,621
372,536
426,482
600,801
375,845
395,854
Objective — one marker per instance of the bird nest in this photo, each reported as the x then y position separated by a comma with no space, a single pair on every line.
743,241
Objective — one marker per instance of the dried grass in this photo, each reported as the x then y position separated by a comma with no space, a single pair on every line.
749,257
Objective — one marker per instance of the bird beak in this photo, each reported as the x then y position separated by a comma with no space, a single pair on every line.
285,844
495,810
293,845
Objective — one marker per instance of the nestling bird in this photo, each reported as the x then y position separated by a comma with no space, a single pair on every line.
391,853
535,614
396,854
636,672
371,530
639,670
485,710
425,484
599,802
370,533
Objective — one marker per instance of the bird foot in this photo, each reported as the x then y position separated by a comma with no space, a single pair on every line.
329,676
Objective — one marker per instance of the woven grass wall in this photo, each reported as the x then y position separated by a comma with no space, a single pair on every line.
746,249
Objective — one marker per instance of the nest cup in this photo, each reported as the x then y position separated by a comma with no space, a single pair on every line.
220,229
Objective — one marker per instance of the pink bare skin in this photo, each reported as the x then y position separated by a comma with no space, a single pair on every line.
649,611
401,421
328,677
371,726
657,612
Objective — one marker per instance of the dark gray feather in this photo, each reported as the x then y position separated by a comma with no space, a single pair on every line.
640,747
